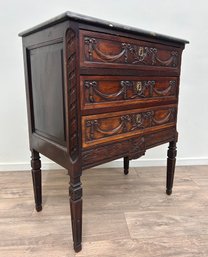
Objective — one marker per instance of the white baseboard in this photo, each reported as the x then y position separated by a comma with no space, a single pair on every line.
113,164
26,166
156,162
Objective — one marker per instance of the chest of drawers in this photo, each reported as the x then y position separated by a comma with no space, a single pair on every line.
98,91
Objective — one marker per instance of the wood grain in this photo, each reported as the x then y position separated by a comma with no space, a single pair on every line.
105,50
131,90
120,92
103,128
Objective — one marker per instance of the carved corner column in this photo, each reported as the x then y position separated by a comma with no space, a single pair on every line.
75,193
171,160
36,177
126,165
73,135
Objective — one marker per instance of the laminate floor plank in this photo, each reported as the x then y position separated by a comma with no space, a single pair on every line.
122,215
55,250
16,207
171,222
157,247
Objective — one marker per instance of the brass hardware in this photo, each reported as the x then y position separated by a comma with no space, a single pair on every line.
139,87
141,51
138,118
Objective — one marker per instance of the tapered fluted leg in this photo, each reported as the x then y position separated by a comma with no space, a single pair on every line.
36,177
75,192
171,167
126,165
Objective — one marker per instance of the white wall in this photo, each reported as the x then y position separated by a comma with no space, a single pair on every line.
186,19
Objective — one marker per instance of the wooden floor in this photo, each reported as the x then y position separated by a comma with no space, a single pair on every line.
123,215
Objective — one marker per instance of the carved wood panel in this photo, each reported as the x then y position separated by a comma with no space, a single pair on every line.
108,49
104,90
105,127
133,147
71,56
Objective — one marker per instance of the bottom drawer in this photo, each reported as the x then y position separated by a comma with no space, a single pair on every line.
133,147
103,128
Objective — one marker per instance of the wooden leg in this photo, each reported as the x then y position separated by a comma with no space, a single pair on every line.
126,165
171,167
75,192
36,177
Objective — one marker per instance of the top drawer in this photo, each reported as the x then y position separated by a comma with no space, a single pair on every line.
108,51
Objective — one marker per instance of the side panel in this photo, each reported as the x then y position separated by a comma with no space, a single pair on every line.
45,81
46,65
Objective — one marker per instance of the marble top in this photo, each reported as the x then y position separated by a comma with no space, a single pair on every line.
103,23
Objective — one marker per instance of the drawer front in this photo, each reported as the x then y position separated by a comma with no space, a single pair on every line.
104,50
118,125
133,147
105,91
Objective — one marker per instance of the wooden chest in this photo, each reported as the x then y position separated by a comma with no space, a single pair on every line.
98,91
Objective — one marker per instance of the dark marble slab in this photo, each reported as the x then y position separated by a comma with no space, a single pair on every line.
102,23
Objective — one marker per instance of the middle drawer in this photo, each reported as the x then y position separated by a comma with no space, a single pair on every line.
99,92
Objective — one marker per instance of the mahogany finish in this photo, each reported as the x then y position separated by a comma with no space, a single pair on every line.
98,91
97,49
36,177
126,165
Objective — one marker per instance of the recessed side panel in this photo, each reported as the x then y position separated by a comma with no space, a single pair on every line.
47,85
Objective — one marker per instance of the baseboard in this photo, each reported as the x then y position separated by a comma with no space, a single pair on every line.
156,162
113,164
26,166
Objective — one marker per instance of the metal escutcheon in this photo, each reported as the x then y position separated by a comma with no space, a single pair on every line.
138,118
141,51
139,87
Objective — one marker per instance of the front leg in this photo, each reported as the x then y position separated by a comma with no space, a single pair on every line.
36,177
126,165
171,167
75,192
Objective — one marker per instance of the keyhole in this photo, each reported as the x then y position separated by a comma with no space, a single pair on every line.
139,87
141,51
138,118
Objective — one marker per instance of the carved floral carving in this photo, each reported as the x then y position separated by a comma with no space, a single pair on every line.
137,88
141,54
133,148
128,123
